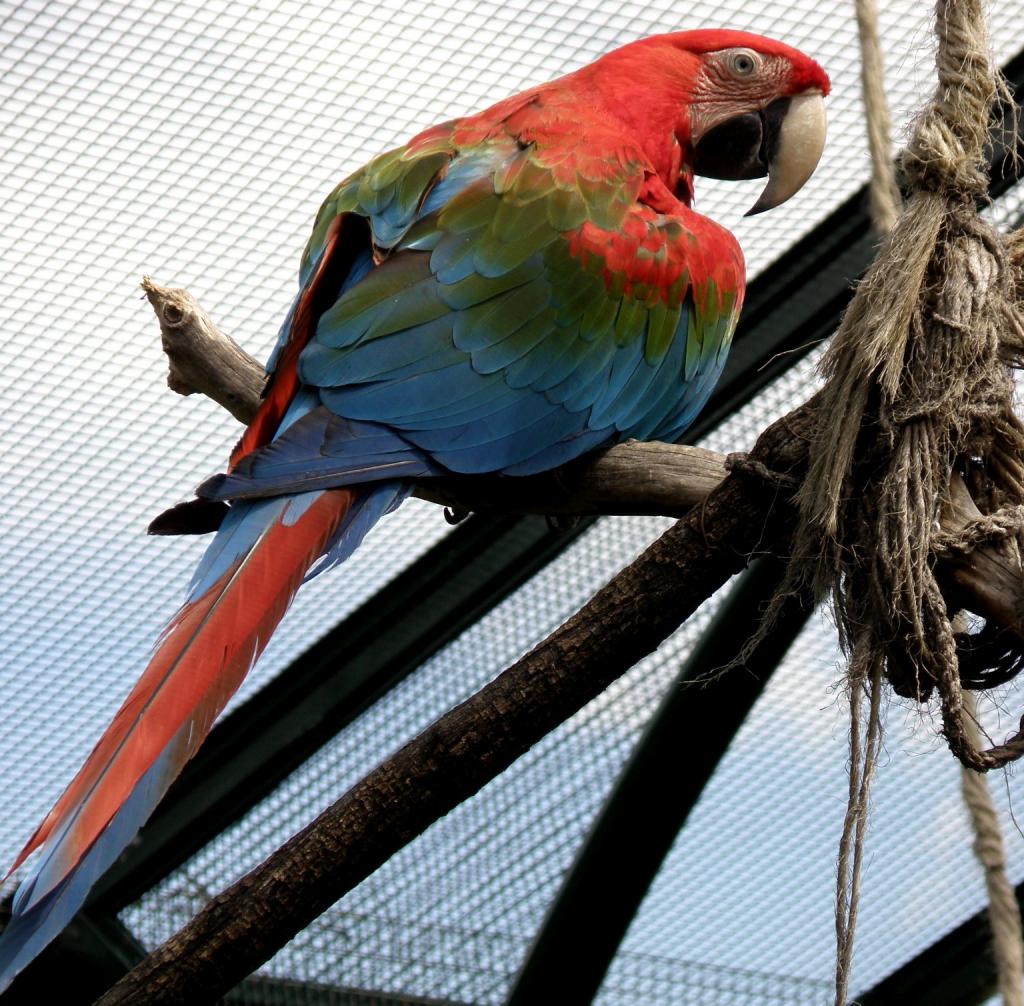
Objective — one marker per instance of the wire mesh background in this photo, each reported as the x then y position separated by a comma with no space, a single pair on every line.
194,142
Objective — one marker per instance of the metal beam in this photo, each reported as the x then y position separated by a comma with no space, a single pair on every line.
684,741
92,953
957,970
263,990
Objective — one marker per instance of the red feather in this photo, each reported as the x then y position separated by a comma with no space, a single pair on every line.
201,659
285,380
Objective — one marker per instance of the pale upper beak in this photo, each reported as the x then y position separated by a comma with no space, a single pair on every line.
798,147
784,141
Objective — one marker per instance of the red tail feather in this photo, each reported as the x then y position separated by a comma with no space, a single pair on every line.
199,663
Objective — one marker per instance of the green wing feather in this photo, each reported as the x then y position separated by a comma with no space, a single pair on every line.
520,303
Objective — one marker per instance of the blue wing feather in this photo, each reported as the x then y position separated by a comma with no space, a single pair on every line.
479,343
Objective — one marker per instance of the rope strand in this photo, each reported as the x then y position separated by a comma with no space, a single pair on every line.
916,381
886,201
1003,908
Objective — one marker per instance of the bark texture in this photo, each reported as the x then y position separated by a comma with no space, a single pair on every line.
474,742
748,513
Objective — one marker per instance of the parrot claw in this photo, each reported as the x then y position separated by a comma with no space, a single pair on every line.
453,515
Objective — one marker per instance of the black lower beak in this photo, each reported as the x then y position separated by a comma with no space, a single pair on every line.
741,147
784,141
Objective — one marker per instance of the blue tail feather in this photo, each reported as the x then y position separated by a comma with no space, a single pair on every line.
58,884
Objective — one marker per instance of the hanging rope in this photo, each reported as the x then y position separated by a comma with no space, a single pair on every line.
864,676
1003,909
863,758
886,201
917,386
918,379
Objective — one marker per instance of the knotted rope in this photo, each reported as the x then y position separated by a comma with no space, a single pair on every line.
917,386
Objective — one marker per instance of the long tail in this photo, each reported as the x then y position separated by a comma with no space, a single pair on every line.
241,590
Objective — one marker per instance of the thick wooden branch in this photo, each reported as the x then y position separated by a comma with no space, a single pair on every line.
477,740
748,513
988,581
632,478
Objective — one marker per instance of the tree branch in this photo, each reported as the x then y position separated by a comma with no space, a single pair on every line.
746,513
631,478
987,581
477,740
201,357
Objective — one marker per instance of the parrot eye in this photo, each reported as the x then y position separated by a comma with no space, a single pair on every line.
743,63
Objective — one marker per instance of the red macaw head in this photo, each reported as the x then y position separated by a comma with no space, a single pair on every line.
739,105
757,108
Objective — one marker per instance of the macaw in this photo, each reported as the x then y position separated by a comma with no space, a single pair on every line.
502,294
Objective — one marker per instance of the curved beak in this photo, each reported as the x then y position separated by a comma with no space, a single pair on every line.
783,141
793,142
